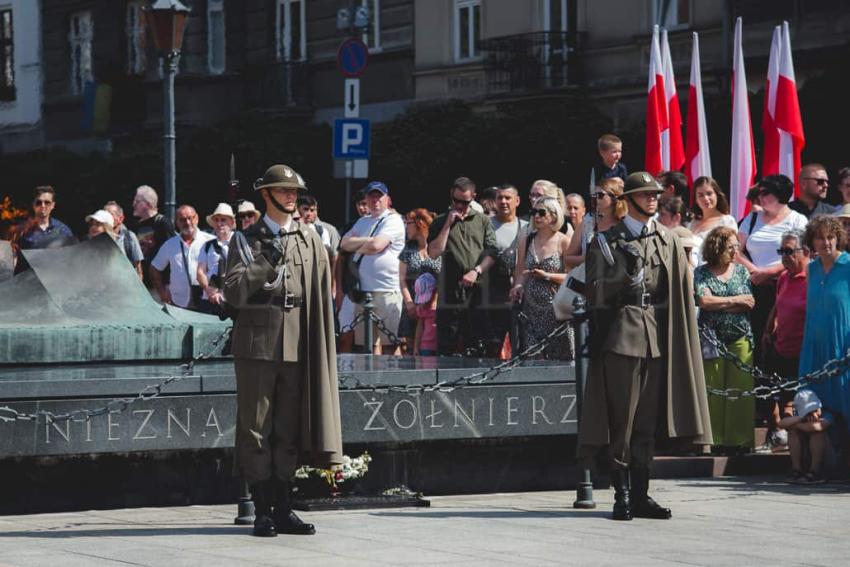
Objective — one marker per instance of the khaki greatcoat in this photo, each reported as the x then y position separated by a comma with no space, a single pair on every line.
265,331
614,329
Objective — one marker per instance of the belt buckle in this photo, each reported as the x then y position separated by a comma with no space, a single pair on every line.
289,301
645,301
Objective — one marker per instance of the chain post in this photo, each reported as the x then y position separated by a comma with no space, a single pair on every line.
368,309
584,488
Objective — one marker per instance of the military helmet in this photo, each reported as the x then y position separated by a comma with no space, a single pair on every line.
280,176
641,182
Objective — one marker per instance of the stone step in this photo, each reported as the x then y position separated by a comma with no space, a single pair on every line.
716,466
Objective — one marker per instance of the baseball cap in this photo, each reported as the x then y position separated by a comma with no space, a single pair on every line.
102,216
424,288
376,186
805,402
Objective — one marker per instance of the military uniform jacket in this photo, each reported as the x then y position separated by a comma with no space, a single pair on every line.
667,328
267,330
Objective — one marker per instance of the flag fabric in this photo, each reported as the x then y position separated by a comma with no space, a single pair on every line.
770,150
656,109
697,156
743,155
672,151
789,120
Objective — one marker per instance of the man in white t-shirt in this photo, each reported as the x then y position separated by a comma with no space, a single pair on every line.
376,241
180,253
212,261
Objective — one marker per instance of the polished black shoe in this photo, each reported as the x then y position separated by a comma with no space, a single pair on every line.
289,523
263,522
264,526
622,501
642,505
649,508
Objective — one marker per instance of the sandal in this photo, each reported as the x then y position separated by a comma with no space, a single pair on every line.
794,477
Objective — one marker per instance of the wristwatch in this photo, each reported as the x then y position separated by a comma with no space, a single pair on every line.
477,270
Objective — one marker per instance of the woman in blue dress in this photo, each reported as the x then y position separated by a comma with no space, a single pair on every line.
827,332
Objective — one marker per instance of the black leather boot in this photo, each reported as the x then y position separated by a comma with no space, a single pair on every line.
642,505
285,520
263,522
622,502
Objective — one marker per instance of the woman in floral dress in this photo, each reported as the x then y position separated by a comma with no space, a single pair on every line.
540,270
725,298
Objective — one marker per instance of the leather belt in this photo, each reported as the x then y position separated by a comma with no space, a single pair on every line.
644,301
287,302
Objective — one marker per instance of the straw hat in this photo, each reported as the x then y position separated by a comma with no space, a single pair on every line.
222,209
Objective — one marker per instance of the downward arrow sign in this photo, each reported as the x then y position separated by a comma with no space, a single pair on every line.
352,98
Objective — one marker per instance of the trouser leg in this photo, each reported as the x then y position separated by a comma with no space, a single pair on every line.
287,420
632,390
255,387
448,325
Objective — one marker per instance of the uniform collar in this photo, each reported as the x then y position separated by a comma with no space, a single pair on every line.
274,227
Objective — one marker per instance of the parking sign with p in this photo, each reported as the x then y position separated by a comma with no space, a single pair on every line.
351,138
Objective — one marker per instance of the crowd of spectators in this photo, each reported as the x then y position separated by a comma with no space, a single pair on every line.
479,278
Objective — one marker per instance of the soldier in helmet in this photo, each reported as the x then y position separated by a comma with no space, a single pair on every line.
645,372
279,279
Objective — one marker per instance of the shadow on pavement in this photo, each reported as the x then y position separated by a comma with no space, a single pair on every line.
495,514
69,532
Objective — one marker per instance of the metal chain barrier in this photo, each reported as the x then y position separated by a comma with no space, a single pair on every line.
770,384
471,379
118,405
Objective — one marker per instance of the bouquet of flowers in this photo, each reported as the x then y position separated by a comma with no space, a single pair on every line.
350,469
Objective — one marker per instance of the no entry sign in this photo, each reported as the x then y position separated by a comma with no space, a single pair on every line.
352,57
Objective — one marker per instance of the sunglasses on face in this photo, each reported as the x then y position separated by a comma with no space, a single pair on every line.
820,181
41,202
539,212
461,201
787,251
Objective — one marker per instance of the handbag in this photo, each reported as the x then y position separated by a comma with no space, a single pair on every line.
571,288
351,275
707,343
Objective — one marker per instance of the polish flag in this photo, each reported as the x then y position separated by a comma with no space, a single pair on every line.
672,151
743,162
789,120
697,157
770,152
657,124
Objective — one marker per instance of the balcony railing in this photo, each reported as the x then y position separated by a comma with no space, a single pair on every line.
532,61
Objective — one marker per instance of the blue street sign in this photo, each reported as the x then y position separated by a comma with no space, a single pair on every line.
351,138
352,57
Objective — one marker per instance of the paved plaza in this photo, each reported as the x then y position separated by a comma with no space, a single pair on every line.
720,521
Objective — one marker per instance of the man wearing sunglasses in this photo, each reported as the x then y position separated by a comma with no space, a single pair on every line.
42,230
466,241
813,184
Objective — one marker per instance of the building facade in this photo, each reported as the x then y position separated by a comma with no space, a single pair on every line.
83,73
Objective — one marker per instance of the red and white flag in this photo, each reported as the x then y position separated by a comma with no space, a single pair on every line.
697,156
770,151
743,162
789,120
656,109
672,150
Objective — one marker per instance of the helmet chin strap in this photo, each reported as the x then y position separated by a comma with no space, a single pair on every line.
277,204
639,209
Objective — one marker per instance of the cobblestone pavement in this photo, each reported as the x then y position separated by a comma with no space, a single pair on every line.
721,521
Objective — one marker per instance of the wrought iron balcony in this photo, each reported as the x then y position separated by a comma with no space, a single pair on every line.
532,61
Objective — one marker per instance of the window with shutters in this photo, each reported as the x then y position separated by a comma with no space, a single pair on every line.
215,37
467,29
291,27
7,55
80,41
135,39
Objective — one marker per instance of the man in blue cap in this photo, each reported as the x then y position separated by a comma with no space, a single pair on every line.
375,241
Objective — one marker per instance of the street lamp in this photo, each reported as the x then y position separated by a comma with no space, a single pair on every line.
167,21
